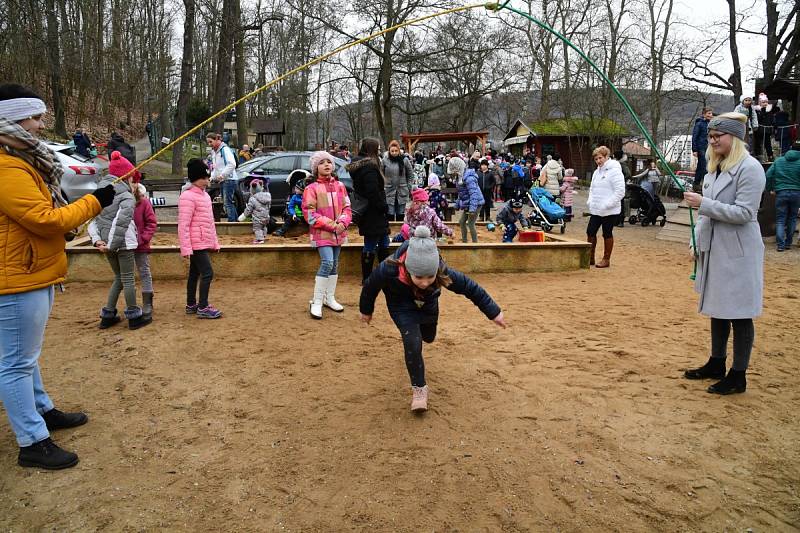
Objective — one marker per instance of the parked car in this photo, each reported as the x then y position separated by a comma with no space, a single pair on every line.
81,173
277,168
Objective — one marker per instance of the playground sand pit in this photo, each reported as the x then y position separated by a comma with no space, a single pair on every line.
576,418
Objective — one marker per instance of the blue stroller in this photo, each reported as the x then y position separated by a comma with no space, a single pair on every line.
546,212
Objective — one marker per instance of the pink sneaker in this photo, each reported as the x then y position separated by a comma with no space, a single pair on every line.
419,398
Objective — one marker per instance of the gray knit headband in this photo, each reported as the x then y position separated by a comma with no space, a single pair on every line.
728,125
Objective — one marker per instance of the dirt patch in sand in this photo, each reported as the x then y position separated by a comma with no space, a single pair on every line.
575,418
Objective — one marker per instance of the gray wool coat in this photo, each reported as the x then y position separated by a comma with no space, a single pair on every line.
398,181
730,266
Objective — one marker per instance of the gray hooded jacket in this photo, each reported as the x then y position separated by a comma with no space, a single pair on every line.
258,207
115,224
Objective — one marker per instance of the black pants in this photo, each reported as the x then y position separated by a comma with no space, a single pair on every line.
199,268
608,223
763,140
414,334
744,334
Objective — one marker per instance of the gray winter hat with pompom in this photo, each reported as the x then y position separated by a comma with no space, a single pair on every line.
422,256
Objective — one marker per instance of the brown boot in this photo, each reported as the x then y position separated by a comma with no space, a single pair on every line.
608,247
593,242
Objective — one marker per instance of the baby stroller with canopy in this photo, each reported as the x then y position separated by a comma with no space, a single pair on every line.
648,207
546,212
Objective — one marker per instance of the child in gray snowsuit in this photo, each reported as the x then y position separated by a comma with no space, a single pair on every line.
258,208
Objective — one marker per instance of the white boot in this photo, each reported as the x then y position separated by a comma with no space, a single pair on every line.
330,291
315,307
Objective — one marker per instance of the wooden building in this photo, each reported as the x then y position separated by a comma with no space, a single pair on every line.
572,139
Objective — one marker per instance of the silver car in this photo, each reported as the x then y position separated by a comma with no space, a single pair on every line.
81,174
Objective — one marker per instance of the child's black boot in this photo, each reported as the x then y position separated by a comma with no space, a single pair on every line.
46,454
136,319
108,318
734,383
713,369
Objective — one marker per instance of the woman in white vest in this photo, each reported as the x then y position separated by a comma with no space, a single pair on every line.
730,260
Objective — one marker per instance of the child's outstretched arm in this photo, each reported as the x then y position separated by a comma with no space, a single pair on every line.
462,284
369,292
440,227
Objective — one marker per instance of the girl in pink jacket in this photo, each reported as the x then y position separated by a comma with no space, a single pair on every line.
326,207
197,237
568,191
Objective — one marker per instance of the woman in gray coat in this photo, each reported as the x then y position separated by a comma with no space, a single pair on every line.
399,175
730,260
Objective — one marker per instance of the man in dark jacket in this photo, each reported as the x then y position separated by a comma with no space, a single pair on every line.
699,146
83,144
486,184
117,142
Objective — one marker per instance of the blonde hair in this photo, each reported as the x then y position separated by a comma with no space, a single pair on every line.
723,163
601,150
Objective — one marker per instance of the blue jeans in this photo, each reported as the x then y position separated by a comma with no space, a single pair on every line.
510,232
229,197
786,205
329,260
373,243
23,317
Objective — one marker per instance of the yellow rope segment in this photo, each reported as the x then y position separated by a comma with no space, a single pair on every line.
295,70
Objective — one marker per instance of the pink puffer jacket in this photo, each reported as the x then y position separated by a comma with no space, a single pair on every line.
325,203
196,230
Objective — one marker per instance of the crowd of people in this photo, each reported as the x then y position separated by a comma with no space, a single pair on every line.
387,186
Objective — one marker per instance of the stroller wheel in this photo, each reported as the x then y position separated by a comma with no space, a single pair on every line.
645,222
662,222
632,219
563,228
547,227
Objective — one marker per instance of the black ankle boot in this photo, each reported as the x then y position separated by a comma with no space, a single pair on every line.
45,454
56,419
734,383
713,369
137,319
108,317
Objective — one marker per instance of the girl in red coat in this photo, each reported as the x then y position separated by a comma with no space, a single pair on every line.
146,224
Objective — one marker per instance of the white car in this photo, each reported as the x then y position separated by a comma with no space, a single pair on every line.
81,174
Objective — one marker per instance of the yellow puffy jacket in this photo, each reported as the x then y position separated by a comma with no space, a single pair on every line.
31,230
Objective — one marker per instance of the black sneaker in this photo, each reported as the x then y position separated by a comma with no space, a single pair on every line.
56,419
46,454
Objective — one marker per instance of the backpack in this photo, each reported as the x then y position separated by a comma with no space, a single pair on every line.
235,157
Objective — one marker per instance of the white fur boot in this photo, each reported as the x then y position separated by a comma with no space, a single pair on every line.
330,291
315,305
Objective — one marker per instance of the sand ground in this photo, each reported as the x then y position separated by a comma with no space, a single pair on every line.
576,418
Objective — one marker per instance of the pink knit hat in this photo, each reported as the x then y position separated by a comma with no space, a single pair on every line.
119,166
419,195
319,157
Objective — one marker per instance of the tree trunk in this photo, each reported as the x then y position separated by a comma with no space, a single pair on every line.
186,84
736,77
222,82
54,58
239,65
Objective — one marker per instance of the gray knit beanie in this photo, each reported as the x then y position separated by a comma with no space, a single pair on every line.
729,125
422,256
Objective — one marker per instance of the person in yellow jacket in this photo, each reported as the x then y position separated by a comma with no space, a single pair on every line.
34,219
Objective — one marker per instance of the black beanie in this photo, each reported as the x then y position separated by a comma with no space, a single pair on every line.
196,169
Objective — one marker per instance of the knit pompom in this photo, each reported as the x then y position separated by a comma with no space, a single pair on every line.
422,232
115,154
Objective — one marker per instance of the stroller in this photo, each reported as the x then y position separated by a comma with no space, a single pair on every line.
648,207
546,212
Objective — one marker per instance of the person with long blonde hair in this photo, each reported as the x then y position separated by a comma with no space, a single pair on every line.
730,252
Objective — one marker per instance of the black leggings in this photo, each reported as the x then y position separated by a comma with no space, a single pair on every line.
199,268
607,223
744,334
413,336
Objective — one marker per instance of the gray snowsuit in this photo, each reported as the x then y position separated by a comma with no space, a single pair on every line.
258,208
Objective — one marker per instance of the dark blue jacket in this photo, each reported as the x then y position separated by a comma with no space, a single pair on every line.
507,216
470,196
402,302
700,135
82,143
296,201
